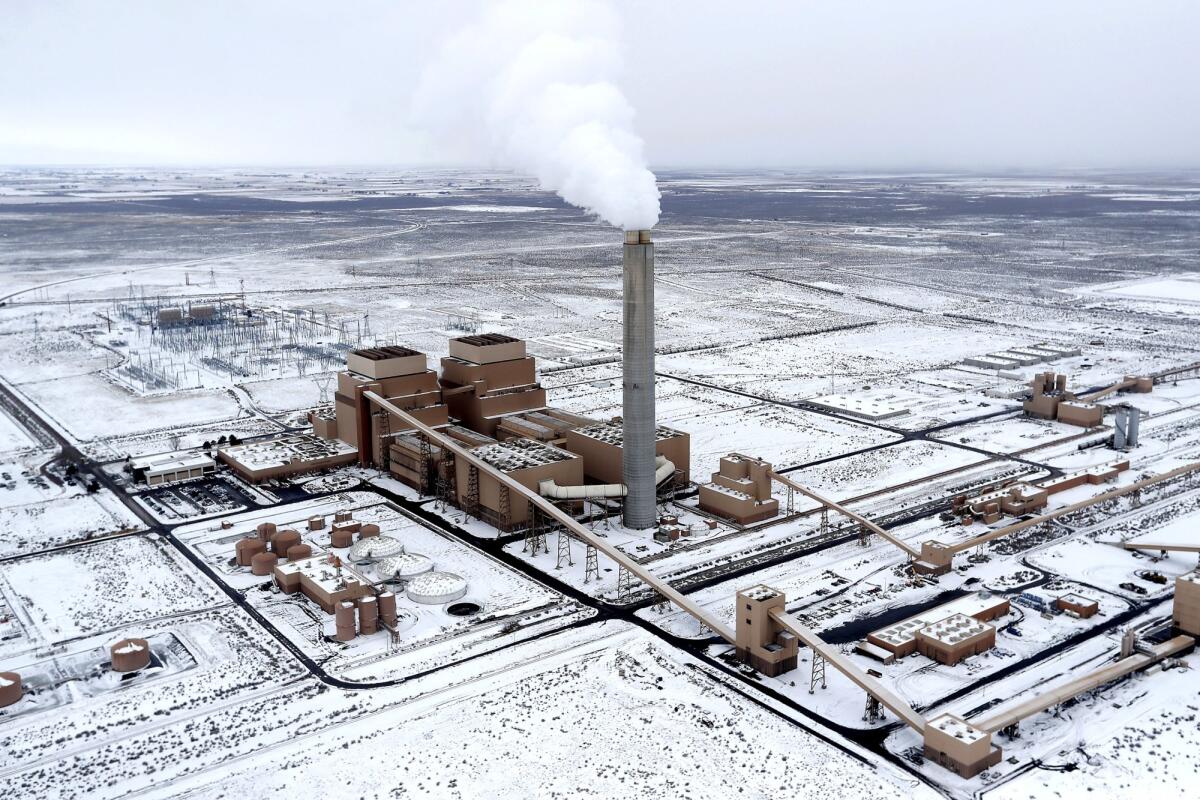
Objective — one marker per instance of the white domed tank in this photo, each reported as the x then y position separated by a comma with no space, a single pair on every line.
404,566
374,547
435,588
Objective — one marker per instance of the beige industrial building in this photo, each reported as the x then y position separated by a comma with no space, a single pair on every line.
322,579
942,633
285,456
761,641
601,448
1051,400
488,377
1080,606
740,490
529,462
959,746
1186,613
398,374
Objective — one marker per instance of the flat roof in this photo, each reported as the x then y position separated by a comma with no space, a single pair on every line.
955,629
968,605
959,729
384,353
760,592
285,450
611,433
169,462
517,454
485,339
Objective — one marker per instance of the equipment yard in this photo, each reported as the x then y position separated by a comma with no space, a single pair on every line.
333,479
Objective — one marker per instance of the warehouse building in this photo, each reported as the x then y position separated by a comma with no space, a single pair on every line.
155,470
944,641
286,456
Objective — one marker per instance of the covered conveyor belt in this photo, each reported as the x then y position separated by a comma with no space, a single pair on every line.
848,668
1099,677
1091,501
1165,547
578,531
905,546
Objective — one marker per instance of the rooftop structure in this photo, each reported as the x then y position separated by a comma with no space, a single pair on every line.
858,406
527,461
488,377
285,456
901,637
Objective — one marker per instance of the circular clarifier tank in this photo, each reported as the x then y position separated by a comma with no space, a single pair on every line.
404,566
374,547
435,588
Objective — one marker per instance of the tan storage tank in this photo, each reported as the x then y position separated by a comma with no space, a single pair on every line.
316,523
368,614
298,551
266,530
343,516
248,548
263,563
343,617
387,607
282,541
129,655
10,688
341,537
367,531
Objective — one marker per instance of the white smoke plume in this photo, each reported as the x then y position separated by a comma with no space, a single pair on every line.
531,86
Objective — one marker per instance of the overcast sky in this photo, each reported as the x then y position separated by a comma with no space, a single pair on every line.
810,85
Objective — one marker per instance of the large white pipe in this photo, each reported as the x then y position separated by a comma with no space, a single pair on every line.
549,488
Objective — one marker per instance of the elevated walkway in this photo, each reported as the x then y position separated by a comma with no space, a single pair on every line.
848,668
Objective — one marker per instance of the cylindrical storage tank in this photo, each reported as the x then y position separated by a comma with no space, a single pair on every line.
298,551
375,547
10,688
248,548
404,566
341,538
263,563
343,618
368,614
283,540
368,530
316,523
343,516
129,655
387,607
435,588
266,530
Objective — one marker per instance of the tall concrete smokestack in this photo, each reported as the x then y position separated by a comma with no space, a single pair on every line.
638,361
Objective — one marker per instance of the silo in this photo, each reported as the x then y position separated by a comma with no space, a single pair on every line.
316,523
387,607
266,530
263,563
637,355
282,541
129,655
343,619
247,549
11,688
368,530
298,551
368,614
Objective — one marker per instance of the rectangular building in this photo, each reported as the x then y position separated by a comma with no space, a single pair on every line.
528,462
602,449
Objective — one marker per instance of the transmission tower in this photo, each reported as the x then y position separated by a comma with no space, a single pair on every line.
818,672
591,565
624,584
535,535
564,548
874,709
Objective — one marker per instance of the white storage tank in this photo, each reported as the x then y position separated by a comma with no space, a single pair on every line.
435,588
374,547
404,566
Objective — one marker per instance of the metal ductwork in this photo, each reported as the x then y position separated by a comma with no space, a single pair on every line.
638,420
